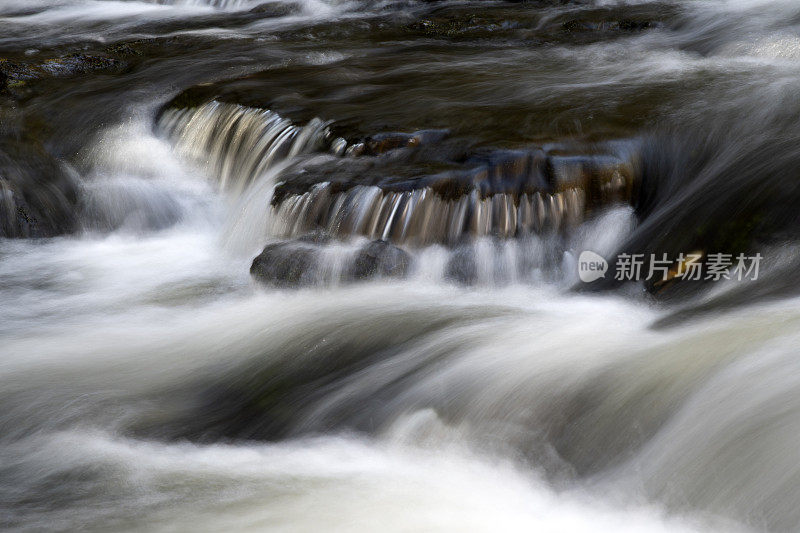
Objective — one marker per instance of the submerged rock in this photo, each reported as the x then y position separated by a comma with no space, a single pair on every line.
462,267
286,264
304,262
380,259
275,10
38,193
16,75
384,142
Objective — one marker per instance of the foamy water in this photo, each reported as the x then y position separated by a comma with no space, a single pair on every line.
148,383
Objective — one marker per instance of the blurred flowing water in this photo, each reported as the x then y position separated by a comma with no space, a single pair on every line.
147,383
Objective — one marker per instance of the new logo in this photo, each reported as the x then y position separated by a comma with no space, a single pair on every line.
591,266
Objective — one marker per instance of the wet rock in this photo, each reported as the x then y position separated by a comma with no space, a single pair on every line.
316,237
636,25
454,23
77,64
68,65
38,193
509,171
502,193
16,76
276,10
605,179
301,262
605,23
339,147
355,150
15,214
384,142
124,49
286,264
596,26
380,259
462,267
535,26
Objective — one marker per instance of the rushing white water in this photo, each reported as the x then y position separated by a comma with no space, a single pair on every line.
346,484
147,321
98,328
148,383
39,24
237,144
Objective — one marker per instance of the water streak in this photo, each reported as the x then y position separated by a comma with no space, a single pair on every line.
422,216
237,144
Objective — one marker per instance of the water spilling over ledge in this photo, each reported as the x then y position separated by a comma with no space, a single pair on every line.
238,144
497,193
412,183
422,217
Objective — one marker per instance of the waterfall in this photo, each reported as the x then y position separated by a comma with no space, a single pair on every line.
237,144
521,194
511,194
422,217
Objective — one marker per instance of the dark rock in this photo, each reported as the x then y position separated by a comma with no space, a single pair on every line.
38,193
16,75
286,264
316,237
275,10
635,25
123,49
380,259
384,142
77,64
355,150
297,263
462,267
603,172
624,25
601,23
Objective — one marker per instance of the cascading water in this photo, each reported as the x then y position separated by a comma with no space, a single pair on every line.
422,216
273,266
238,144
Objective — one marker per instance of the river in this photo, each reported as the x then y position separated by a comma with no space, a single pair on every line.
149,382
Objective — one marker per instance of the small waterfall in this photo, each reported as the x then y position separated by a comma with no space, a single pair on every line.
237,144
505,218
503,195
422,216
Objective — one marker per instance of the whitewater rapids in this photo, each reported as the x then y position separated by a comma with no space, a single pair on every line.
517,406
148,383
